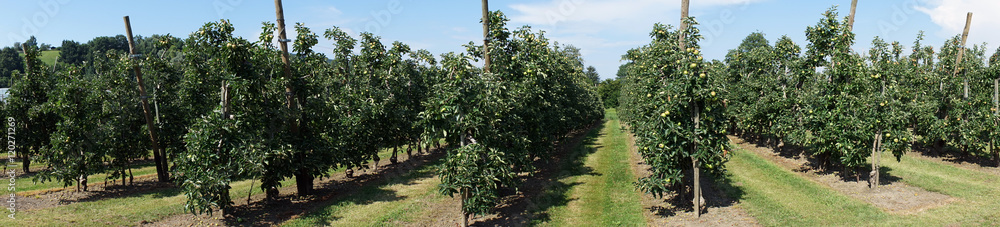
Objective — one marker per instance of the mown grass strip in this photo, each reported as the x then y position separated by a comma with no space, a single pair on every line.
27,185
977,194
597,182
778,197
396,201
131,210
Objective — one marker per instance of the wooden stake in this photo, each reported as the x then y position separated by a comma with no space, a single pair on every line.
685,4
304,180
850,19
996,96
54,65
24,49
158,154
486,35
961,52
283,41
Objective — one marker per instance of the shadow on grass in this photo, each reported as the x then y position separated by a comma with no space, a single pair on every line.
956,155
543,189
320,207
718,191
816,164
138,189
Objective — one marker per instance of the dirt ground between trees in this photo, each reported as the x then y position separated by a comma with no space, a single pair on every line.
671,211
892,195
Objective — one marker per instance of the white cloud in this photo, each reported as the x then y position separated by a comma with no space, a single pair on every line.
951,15
335,11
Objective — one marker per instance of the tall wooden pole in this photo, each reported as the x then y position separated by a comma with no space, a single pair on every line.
685,5
486,69
684,15
961,53
850,19
304,179
158,154
486,35
24,49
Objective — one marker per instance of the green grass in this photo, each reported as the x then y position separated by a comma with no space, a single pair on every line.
28,184
17,165
131,210
595,186
396,201
48,57
778,197
977,193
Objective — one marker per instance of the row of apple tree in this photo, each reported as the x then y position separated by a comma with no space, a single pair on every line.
226,109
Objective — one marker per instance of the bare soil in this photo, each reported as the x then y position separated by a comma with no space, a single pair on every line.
672,210
892,195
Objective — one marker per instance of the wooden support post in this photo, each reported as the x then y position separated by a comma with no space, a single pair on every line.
304,179
685,4
486,35
996,96
961,53
850,19
54,64
159,156
24,49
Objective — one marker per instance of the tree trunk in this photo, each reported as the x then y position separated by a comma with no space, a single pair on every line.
465,216
131,177
873,176
409,151
393,158
304,182
26,164
376,159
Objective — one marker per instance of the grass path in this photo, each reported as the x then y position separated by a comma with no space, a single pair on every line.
131,210
602,192
26,185
396,202
779,197
596,174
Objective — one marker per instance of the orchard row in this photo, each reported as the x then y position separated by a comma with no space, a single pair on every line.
842,107
226,109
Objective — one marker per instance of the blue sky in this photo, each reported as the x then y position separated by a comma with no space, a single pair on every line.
603,29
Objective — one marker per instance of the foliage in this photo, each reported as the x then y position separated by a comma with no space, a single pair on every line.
533,94
10,61
26,97
672,101
610,91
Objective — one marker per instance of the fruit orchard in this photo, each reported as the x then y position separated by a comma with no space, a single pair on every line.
213,109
